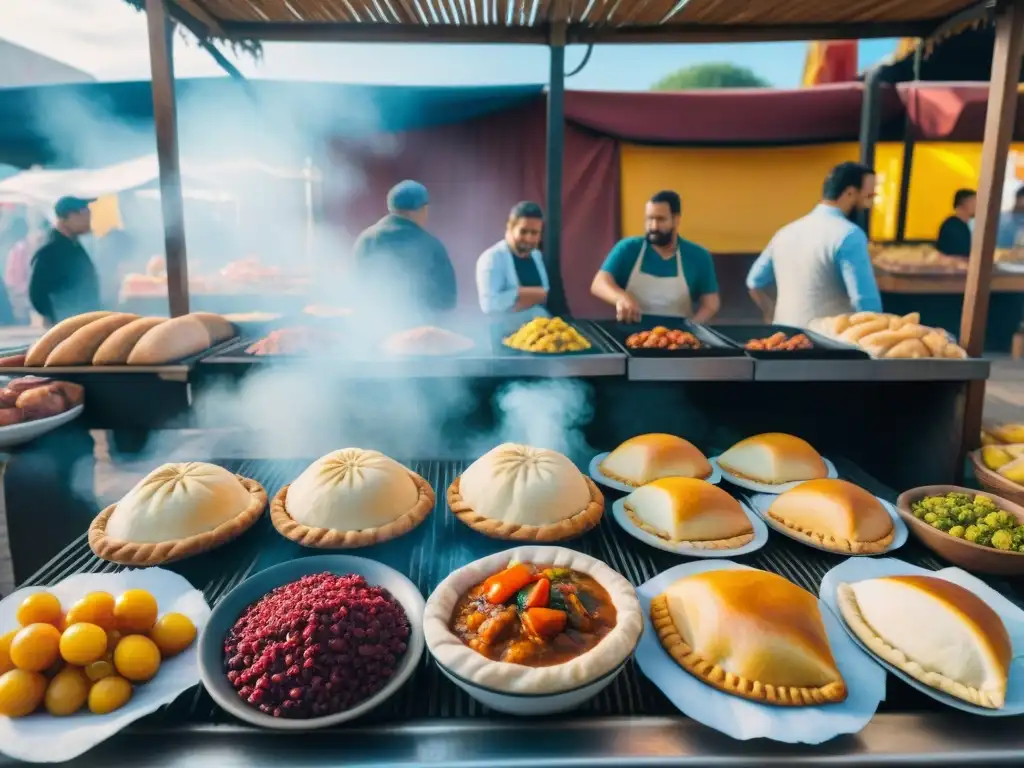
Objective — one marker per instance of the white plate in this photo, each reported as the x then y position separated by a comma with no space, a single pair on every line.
16,434
1010,267
597,477
1012,616
751,485
762,501
744,719
41,738
760,535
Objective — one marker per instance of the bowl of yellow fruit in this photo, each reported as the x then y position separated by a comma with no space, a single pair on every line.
999,467
84,658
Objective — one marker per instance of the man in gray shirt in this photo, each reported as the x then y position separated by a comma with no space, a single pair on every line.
820,263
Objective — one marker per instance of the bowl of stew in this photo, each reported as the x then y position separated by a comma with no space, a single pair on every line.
533,630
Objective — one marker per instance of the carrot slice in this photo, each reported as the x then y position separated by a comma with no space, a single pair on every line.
503,585
534,595
544,622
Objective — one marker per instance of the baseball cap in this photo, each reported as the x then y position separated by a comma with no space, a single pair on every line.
407,195
69,204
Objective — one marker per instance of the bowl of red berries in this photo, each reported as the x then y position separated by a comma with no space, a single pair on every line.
312,642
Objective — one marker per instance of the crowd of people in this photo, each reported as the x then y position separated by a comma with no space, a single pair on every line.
817,265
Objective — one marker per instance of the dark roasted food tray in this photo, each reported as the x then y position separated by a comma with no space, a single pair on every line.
442,544
712,344
823,348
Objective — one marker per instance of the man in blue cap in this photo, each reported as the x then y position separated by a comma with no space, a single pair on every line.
64,282
401,268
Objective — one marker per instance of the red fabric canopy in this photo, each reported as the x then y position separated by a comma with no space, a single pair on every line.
951,111
736,116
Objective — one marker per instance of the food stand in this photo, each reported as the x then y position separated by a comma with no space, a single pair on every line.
888,424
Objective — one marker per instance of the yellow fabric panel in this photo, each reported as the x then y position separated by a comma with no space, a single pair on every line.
813,62
735,199
106,215
889,170
940,169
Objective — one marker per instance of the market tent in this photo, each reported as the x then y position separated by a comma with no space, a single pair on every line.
952,111
48,124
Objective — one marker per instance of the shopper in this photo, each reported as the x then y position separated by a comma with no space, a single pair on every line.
955,233
64,282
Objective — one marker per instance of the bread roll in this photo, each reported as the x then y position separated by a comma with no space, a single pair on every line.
936,341
909,349
858,331
178,338
858,318
119,344
877,344
913,318
842,323
38,352
955,352
218,328
915,331
79,347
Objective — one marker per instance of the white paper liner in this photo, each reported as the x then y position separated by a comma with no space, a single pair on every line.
1012,616
743,719
595,474
42,738
16,434
751,485
900,533
760,535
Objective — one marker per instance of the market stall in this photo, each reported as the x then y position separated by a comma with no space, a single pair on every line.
548,592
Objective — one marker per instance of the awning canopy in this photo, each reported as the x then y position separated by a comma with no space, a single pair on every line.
530,21
951,111
730,117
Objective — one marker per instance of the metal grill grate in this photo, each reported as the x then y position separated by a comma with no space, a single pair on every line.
442,544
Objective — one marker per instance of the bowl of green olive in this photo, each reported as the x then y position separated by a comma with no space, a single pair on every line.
977,531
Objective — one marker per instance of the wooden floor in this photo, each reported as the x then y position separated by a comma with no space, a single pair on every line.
1004,401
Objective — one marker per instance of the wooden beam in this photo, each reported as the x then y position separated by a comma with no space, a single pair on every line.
166,124
199,13
999,120
583,34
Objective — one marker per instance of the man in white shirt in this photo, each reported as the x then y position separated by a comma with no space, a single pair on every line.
510,275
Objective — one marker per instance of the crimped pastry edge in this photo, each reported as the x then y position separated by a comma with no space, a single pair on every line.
568,528
635,484
157,553
329,538
715,676
730,543
849,608
837,544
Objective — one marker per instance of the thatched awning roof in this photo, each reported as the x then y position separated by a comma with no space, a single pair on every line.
532,21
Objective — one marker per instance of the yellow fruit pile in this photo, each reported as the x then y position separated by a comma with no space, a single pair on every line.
550,335
92,655
1007,460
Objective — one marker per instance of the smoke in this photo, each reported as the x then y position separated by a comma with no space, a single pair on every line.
241,156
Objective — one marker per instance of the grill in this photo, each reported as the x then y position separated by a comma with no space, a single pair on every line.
442,544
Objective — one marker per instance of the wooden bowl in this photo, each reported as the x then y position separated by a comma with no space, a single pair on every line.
967,555
992,481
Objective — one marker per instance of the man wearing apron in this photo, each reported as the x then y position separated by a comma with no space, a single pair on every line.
660,273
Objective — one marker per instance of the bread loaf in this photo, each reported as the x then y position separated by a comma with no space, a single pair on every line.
908,349
79,347
857,332
38,352
119,344
877,344
178,338
218,328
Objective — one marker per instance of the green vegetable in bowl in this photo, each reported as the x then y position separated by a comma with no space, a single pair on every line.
977,519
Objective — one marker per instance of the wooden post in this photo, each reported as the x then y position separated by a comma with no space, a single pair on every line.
161,32
999,123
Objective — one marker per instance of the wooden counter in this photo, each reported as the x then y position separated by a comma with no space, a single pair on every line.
889,282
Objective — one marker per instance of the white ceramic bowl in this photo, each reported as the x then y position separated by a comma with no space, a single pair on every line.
502,686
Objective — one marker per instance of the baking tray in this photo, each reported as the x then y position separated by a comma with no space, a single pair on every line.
712,344
823,349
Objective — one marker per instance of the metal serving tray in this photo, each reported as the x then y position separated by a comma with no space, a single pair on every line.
490,358
718,359
432,722
824,348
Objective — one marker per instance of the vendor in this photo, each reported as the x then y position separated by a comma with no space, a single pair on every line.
63,280
955,233
660,273
401,268
1011,224
510,275
820,264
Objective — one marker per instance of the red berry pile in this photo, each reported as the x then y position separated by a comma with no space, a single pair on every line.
316,646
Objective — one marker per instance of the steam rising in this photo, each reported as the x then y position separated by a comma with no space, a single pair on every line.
304,408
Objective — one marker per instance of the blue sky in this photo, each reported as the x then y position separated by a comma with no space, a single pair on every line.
108,39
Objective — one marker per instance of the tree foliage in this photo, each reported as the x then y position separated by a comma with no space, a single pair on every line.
250,47
722,75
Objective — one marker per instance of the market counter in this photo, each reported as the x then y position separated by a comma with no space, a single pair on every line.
432,722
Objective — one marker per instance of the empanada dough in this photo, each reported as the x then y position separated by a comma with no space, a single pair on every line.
644,458
683,510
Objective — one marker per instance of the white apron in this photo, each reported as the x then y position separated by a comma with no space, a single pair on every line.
667,296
